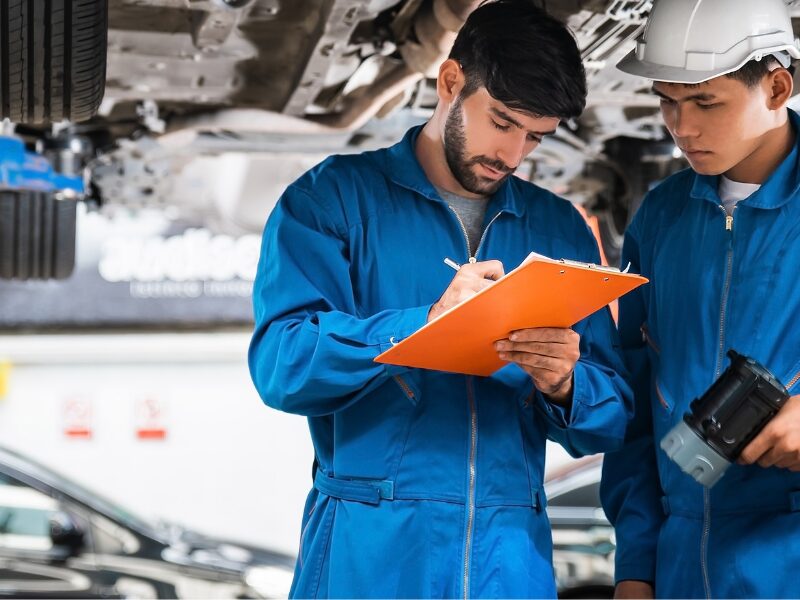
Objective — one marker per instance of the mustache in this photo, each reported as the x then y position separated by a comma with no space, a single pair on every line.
497,165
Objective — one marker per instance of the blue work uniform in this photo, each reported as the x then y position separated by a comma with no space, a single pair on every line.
429,484
716,283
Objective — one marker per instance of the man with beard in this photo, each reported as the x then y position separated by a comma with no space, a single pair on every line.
429,484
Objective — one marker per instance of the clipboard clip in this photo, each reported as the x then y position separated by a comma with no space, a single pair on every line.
607,269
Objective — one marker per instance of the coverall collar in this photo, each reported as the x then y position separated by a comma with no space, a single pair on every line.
777,190
404,169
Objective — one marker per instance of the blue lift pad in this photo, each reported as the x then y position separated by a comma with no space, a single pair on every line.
23,170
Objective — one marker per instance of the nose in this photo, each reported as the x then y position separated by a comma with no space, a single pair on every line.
513,150
684,124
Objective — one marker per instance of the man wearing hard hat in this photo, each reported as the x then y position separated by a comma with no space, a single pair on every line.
720,243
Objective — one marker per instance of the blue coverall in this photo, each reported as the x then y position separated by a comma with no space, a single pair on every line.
715,283
429,484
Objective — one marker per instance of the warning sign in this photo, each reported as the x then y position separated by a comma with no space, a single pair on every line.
150,418
77,413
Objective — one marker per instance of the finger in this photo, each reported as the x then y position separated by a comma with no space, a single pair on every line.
787,461
537,361
545,334
770,458
489,269
757,448
567,352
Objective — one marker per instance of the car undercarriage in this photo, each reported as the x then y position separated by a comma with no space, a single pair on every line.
211,107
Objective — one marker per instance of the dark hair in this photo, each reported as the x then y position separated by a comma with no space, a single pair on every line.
525,58
754,71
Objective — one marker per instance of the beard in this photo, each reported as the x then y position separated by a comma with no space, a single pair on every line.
461,165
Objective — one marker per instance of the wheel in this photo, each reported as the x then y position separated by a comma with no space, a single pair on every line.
52,59
37,235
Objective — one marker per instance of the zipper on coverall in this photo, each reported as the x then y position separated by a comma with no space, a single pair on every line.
726,288
473,418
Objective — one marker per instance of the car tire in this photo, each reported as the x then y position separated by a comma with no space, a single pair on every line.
37,235
53,59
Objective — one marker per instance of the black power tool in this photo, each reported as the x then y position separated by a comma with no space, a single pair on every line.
724,420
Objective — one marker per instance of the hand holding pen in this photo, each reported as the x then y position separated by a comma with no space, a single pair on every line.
470,278
548,355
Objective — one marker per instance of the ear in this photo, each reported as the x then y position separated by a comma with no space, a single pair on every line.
780,85
450,81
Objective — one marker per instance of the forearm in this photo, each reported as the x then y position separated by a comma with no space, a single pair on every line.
325,362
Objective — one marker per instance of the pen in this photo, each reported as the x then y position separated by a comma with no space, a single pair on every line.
452,264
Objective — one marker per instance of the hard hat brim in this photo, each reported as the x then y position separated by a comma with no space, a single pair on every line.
642,68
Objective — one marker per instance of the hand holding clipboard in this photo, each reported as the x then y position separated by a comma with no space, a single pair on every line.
541,292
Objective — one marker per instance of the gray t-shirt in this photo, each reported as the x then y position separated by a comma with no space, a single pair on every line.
471,212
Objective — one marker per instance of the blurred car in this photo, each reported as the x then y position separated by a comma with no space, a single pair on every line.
583,539
59,540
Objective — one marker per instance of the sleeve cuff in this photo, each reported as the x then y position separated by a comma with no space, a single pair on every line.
562,417
557,415
411,320
638,571
582,401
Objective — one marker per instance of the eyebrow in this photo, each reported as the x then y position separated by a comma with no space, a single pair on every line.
505,116
702,97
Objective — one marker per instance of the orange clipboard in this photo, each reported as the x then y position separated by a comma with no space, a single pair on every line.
541,292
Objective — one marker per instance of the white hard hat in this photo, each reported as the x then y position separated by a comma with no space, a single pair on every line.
691,41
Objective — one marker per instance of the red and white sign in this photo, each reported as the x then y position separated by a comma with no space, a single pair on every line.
77,415
150,418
